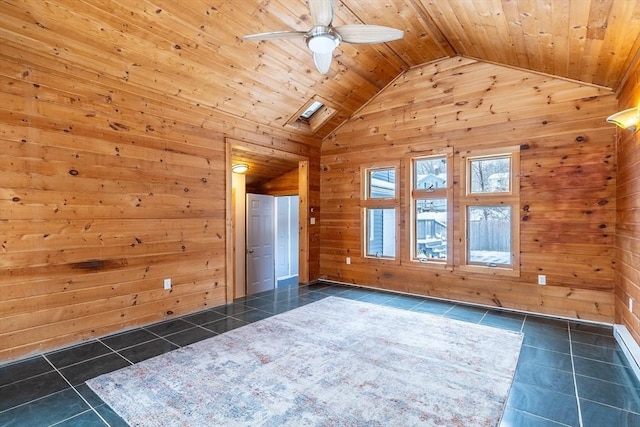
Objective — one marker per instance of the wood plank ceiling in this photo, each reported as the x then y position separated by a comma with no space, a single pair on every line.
194,50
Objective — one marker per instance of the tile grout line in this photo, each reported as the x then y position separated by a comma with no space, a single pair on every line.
70,418
162,337
124,348
32,400
76,391
450,308
115,351
573,371
22,379
524,320
80,361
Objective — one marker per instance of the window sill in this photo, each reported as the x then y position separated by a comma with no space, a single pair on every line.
380,260
492,271
434,265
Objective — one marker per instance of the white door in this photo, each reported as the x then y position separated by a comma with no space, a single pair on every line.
260,243
286,237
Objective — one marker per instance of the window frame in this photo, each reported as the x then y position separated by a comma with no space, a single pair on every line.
510,198
416,194
367,203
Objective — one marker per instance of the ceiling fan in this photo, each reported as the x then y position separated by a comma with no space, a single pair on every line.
323,37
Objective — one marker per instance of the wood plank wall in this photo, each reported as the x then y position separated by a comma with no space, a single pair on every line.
568,183
627,274
284,185
104,193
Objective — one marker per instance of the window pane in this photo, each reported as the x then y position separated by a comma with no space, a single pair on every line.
311,110
430,173
381,230
381,183
489,234
431,229
490,175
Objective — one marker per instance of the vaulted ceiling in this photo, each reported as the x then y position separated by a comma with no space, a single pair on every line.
194,50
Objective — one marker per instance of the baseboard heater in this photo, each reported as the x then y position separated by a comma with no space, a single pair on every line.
629,346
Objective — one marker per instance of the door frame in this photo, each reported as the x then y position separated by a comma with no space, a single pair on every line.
292,234
303,212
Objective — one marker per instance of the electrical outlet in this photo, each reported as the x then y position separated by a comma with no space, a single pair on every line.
167,284
313,221
542,279
631,304
348,260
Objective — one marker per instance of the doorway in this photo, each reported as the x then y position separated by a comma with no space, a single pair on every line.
286,231
271,242
264,161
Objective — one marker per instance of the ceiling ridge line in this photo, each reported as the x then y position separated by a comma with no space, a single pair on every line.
541,73
623,81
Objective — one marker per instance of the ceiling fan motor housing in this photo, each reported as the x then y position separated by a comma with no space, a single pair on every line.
322,39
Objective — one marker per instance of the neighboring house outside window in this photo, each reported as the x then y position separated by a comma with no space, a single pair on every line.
431,206
485,209
380,207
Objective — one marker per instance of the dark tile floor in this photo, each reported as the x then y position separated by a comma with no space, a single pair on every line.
569,374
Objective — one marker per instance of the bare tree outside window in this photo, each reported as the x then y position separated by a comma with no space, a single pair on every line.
489,227
490,175
430,184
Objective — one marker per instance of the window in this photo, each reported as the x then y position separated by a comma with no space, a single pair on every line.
381,242
312,115
489,205
380,204
311,110
431,204
381,183
489,235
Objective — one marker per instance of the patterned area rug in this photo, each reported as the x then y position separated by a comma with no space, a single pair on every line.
335,362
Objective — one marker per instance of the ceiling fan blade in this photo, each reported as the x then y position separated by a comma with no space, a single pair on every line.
323,61
276,35
321,12
362,34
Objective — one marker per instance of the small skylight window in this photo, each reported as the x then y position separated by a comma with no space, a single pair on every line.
311,110
312,115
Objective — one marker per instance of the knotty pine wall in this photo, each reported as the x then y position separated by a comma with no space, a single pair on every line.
627,274
104,193
284,185
568,183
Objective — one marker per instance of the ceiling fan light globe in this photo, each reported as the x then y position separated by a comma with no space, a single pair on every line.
323,62
323,44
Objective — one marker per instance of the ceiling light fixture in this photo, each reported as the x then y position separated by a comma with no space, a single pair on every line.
627,119
240,168
323,43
